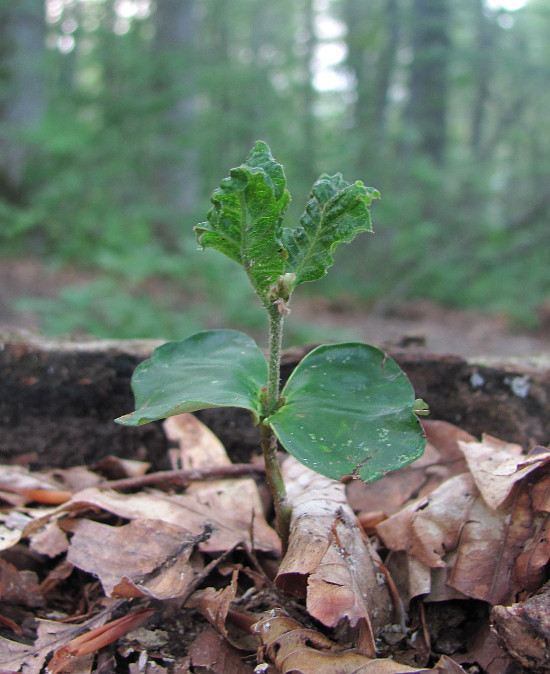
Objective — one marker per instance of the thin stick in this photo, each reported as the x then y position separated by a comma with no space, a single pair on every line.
183,476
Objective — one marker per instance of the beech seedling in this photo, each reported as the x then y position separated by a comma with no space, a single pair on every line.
348,410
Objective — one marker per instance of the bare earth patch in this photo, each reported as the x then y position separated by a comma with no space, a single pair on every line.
440,330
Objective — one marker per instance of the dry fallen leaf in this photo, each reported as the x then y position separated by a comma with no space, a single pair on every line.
145,558
490,543
116,468
231,508
497,466
50,540
51,636
329,560
230,513
211,653
19,587
200,448
214,604
525,630
432,525
479,528
486,652
294,649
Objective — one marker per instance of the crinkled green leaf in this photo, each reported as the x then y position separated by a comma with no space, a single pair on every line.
245,220
348,410
214,368
335,212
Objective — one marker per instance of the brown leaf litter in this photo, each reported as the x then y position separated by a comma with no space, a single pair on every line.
181,571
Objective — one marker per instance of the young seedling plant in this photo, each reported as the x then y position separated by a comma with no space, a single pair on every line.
348,410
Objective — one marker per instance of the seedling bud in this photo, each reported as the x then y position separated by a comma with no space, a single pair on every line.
280,292
420,408
285,285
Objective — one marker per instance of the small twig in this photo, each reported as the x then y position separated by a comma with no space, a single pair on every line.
184,476
206,572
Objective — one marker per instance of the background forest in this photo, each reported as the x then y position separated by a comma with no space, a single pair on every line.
118,118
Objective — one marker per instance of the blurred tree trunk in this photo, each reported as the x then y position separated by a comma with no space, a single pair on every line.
22,104
308,154
221,132
174,47
372,42
385,69
428,88
484,43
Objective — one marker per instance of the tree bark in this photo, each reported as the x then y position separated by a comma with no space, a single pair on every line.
174,49
428,87
308,117
22,98
484,44
373,69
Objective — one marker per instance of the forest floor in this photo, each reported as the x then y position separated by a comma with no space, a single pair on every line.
423,323
78,581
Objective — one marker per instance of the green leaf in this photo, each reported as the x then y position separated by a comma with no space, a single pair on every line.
245,220
335,212
215,368
348,411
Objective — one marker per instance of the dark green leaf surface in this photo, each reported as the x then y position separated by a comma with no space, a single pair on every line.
245,220
215,368
335,212
348,410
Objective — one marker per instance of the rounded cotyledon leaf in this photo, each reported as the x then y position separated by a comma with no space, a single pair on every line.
348,412
214,368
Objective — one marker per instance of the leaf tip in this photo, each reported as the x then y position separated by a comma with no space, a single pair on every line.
124,420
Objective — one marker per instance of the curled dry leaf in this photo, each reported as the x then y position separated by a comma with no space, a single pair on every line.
211,653
497,466
525,630
214,604
294,649
200,448
19,486
488,545
116,468
329,560
142,558
19,587
430,526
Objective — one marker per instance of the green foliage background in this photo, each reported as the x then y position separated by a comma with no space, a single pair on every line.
118,118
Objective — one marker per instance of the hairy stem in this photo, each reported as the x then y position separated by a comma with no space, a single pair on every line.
268,438
276,321
276,484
